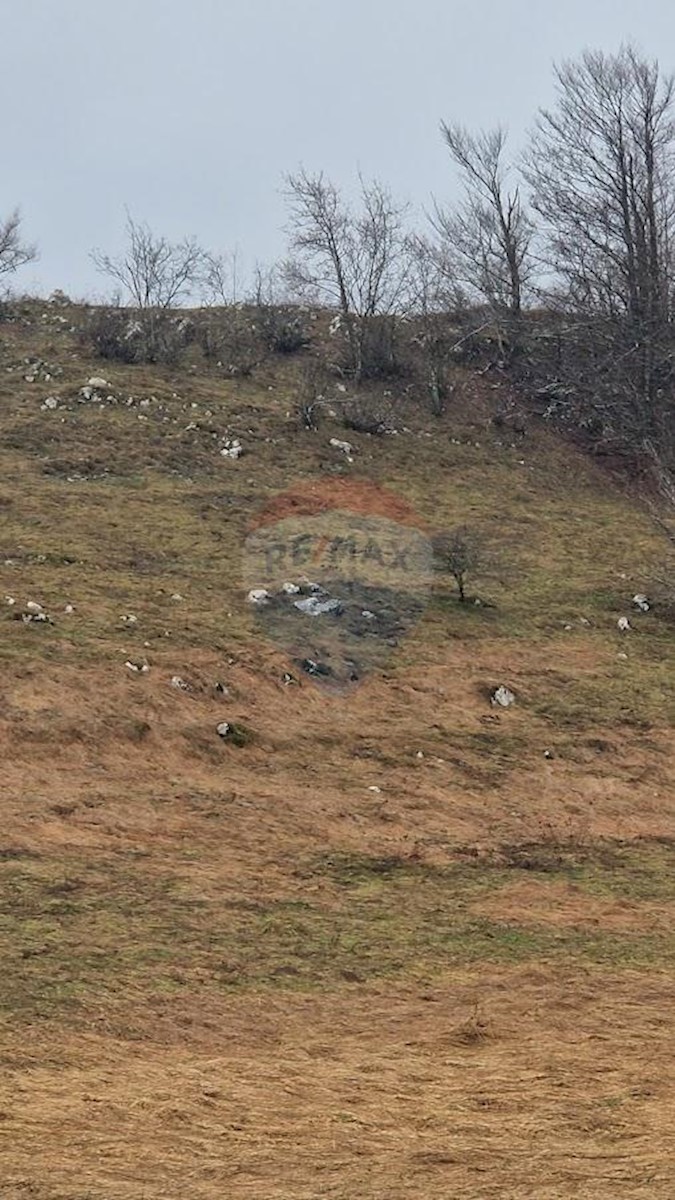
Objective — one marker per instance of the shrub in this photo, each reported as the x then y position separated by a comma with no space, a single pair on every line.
369,414
283,330
137,336
229,339
310,394
379,348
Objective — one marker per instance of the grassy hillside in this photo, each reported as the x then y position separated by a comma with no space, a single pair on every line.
398,943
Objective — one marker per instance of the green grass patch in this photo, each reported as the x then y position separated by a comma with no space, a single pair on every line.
72,938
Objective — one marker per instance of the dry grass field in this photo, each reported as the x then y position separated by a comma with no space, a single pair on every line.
239,971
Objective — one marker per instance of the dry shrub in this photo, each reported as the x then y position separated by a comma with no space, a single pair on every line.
138,336
229,338
369,414
476,1028
283,329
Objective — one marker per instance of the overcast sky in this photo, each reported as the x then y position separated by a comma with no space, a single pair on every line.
189,111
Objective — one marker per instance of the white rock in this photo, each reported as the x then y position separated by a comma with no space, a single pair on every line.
258,596
503,697
129,619
223,729
345,447
180,684
374,788
33,607
623,624
312,606
232,449
291,589
139,668
641,602
97,381
368,615
50,404
177,597
69,610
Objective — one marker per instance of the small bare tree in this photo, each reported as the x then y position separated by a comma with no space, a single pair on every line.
354,261
221,278
14,253
153,272
488,236
155,276
460,553
432,298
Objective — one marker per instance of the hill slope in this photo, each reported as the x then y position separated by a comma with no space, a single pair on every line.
400,939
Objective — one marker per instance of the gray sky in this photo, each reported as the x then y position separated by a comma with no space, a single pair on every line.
189,112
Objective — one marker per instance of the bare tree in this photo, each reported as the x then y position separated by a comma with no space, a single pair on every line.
221,278
354,261
461,554
601,167
432,297
153,272
14,253
155,276
488,235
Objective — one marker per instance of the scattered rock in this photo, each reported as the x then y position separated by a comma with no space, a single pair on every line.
374,788
502,697
312,606
345,447
623,624
641,602
221,689
138,667
177,597
33,607
34,617
258,596
97,382
315,668
238,735
291,589
232,449
69,610
179,684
